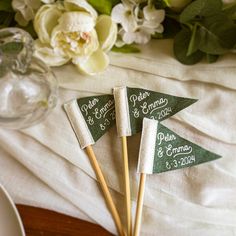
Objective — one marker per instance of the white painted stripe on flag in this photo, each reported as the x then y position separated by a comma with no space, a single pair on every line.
122,111
78,124
147,146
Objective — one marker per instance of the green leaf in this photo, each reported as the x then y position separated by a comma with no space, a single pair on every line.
126,49
230,11
181,42
200,8
12,47
209,42
103,6
160,4
194,41
212,58
5,5
217,34
224,28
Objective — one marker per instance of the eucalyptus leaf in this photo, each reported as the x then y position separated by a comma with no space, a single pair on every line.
160,4
217,34
209,42
212,58
194,41
223,27
126,49
200,8
181,42
230,11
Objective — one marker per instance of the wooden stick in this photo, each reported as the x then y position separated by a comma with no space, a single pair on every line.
105,190
127,186
139,208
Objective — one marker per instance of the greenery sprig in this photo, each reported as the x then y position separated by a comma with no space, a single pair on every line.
207,30
202,29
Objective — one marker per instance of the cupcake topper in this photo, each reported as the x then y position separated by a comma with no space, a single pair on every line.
163,150
90,118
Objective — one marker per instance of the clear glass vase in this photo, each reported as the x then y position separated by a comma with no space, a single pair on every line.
28,88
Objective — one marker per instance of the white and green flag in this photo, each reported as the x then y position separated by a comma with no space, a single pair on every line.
91,117
133,104
163,150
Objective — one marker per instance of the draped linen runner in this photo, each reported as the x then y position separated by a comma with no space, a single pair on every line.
44,165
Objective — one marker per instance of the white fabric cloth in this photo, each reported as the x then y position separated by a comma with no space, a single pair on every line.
44,165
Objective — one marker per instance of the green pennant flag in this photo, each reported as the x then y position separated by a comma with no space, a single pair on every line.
163,150
134,104
91,117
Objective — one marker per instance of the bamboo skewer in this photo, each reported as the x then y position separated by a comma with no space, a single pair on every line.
127,186
139,208
105,190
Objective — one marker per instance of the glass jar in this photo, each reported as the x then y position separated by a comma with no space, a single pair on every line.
28,88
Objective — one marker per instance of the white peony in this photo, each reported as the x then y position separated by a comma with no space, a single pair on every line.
73,31
25,10
137,25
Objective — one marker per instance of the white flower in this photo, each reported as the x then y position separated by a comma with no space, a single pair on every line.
74,32
124,14
48,55
25,10
74,36
45,20
137,25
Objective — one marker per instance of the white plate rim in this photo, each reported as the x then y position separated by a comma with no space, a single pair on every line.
14,208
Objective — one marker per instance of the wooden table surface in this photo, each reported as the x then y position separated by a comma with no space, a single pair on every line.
41,222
